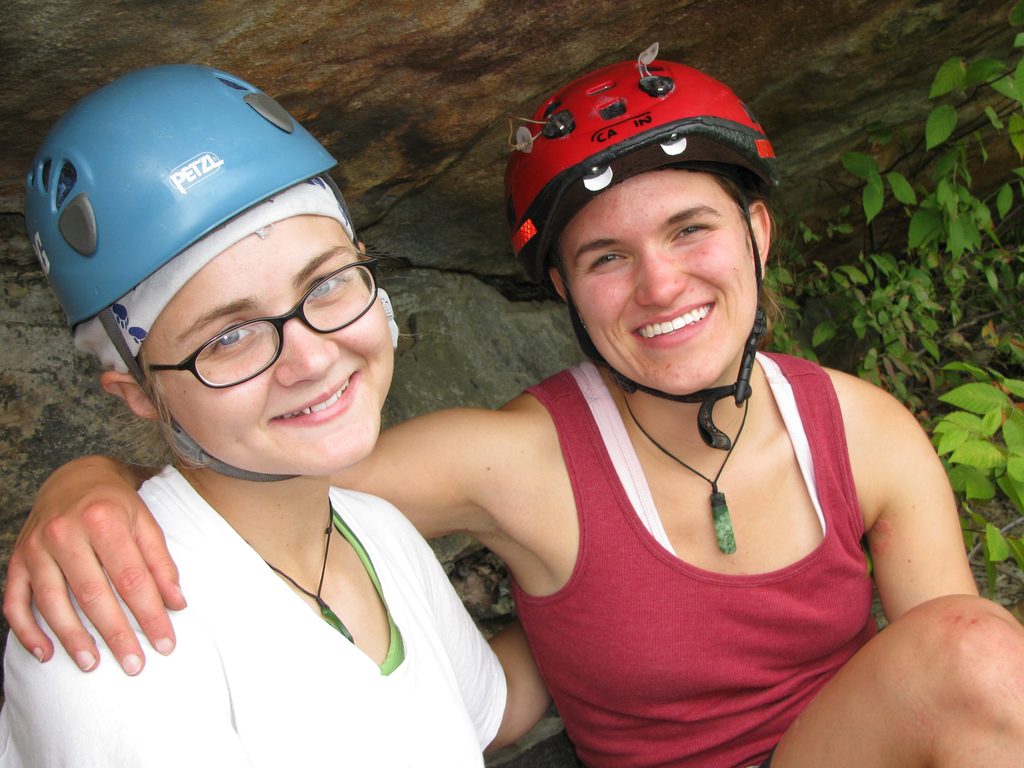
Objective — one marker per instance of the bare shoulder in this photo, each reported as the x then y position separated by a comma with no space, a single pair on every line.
888,448
871,415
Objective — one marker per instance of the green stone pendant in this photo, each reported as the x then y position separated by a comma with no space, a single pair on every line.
723,525
332,618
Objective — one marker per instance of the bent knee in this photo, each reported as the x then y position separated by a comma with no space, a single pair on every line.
971,648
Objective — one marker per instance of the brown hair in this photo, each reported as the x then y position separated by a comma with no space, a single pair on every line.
743,197
150,441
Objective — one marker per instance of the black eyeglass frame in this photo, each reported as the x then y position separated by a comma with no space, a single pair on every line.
189,363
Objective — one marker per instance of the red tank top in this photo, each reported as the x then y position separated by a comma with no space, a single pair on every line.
653,662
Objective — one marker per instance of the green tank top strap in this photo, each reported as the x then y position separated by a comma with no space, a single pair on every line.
396,648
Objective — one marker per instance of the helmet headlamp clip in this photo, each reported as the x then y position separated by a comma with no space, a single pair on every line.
560,124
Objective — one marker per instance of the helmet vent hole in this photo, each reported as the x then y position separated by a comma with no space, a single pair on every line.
46,175
233,84
605,86
613,110
550,109
65,182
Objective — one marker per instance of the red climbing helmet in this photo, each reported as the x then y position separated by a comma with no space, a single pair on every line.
620,121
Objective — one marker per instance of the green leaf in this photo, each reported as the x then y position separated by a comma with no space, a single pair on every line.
994,118
1018,41
1004,200
971,482
950,441
855,274
960,420
1018,76
874,197
1014,491
1017,14
991,422
940,125
978,454
901,188
871,360
1015,468
925,226
992,279
884,261
860,165
1016,387
1007,86
1017,550
976,397
946,196
959,365
1013,436
824,331
950,77
998,549
931,348
957,242
1016,129
983,70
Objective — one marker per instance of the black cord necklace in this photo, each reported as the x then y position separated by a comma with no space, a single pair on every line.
325,610
719,509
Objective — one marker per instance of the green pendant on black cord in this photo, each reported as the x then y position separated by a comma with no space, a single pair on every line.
332,618
723,523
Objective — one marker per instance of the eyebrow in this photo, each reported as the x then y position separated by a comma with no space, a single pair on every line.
304,274
677,218
249,303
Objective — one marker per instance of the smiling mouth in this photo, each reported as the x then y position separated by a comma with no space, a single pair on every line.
691,317
318,406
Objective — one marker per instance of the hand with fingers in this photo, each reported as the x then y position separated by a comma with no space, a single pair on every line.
106,537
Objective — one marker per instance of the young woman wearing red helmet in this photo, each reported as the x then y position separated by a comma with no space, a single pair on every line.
684,518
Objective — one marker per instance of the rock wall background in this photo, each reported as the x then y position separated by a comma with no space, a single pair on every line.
414,100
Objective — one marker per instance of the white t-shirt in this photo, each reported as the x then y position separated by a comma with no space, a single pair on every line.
257,678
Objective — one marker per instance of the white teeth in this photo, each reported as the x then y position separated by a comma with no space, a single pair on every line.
657,329
319,406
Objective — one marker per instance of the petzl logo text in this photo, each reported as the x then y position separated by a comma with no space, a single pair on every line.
190,173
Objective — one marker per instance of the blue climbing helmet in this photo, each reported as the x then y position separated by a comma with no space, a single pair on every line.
144,167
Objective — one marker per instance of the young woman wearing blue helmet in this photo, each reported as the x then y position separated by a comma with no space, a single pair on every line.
201,251
684,518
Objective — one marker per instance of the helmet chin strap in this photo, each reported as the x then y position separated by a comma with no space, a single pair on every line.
708,398
191,451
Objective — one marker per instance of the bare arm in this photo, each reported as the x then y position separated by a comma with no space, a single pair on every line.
910,514
87,516
528,697
88,521
436,469
466,470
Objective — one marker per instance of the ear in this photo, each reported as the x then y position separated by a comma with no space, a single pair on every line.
761,222
556,279
124,386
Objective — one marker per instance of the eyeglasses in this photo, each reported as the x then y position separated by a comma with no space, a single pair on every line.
244,351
